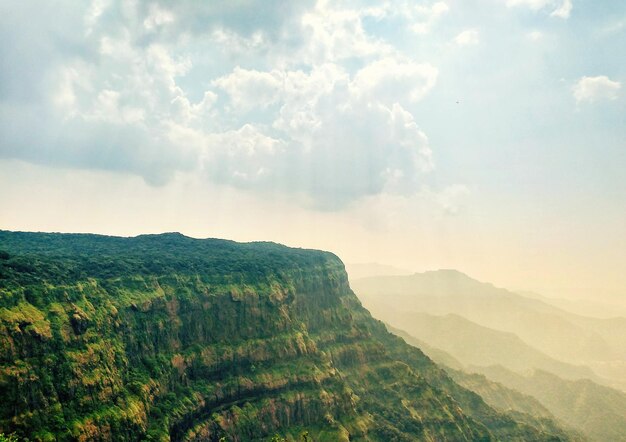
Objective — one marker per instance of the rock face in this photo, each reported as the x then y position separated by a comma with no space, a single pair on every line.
164,337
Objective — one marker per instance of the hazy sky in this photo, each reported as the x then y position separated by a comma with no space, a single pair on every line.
483,135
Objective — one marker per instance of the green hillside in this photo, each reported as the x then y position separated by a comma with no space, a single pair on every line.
164,337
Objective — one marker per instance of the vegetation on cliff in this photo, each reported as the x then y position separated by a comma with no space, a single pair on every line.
164,337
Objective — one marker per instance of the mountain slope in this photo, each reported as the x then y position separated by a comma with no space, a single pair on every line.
473,344
595,410
164,337
599,343
525,408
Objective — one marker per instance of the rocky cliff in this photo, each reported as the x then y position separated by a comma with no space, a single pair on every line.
165,337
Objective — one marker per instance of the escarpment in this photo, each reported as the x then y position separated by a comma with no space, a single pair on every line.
164,337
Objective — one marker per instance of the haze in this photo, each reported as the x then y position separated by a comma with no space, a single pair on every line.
486,136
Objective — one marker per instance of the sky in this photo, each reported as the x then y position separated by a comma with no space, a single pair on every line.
483,135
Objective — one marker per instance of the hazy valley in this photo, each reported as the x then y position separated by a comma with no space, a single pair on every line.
558,358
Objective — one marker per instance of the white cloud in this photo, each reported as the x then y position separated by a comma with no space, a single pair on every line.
157,17
337,34
234,45
243,157
468,37
560,8
532,4
419,18
390,80
182,109
248,89
425,17
335,138
93,13
564,10
591,89
304,101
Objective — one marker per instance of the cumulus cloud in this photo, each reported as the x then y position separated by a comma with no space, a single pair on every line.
336,34
468,37
333,140
248,89
564,10
393,81
591,89
291,98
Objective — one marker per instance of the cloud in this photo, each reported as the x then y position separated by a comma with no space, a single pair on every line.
336,34
262,96
591,89
534,35
334,139
248,89
425,17
450,198
560,8
245,18
395,81
564,10
468,37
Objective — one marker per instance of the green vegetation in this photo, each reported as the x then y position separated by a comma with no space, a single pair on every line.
163,337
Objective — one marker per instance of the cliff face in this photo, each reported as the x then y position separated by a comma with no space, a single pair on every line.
169,338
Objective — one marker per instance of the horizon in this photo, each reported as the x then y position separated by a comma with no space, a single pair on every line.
387,270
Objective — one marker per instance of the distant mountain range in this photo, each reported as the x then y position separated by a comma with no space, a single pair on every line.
597,411
561,335
500,345
473,344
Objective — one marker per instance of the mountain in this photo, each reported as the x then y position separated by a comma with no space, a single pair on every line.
597,411
583,408
439,356
598,343
165,337
597,308
473,344
525,408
